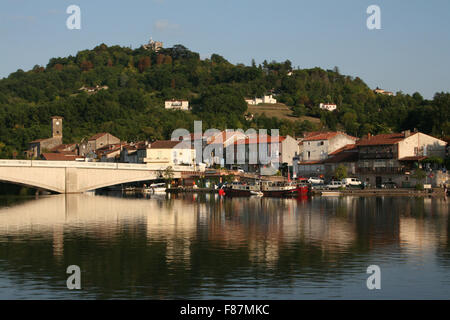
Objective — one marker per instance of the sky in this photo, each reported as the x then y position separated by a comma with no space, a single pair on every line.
410,53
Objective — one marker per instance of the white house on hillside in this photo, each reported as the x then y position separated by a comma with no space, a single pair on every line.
265,99
328,106
177,104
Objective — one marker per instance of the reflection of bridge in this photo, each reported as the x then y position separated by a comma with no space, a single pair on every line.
76,177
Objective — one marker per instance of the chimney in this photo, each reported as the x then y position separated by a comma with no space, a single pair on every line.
369,135
407,133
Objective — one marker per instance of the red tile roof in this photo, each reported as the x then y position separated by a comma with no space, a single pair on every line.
414,158
343,157
347,147
260,139
311,162
382,139
60,157
325,136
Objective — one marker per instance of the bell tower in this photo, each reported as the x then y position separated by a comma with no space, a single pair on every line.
57,127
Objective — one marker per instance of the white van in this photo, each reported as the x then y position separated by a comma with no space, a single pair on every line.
335,185
353,182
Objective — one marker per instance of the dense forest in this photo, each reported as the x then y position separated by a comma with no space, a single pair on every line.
140,80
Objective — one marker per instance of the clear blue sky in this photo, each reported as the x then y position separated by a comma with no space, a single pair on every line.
410,53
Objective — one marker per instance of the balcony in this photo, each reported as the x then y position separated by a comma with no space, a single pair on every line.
376,155
381,170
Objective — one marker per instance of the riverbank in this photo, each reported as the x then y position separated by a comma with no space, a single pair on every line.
435,192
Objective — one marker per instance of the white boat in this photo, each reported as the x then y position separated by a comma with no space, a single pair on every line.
158,187
256,193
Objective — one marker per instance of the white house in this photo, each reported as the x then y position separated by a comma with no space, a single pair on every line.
170,153
265,99
177,104
328,106
317,146
269,99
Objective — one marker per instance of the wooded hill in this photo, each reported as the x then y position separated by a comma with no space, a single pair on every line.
139,81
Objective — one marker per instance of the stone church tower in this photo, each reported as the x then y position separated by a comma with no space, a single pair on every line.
57,127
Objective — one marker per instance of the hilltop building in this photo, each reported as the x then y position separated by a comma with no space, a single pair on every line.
383,92
153,45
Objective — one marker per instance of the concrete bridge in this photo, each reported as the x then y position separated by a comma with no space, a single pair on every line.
78,177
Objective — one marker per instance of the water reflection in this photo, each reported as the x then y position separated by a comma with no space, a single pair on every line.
200,246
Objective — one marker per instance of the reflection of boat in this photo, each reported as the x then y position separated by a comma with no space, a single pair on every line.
330,193
283,189
129,189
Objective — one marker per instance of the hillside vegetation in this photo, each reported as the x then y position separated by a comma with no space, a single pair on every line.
140,80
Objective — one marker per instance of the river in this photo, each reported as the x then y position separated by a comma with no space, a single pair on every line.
207,247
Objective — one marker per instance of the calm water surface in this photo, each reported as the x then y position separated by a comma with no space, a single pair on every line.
203,247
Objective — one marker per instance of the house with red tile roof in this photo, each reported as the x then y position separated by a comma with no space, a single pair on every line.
101,140
171,153
394,156
319,145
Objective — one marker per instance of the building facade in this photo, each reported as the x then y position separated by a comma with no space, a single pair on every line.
177,105
170,153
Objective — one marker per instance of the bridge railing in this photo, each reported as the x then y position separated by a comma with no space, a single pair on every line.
90,165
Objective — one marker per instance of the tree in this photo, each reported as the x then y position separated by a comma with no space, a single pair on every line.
340,172
420,175
168,174
221,99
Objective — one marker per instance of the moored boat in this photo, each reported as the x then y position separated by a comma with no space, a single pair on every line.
158,187
283,189
242,189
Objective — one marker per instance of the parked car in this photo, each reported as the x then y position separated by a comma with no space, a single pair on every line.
351,182
335,185
389,185
315,180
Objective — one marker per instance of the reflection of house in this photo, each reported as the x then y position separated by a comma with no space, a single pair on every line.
177,104
170,153
37,147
